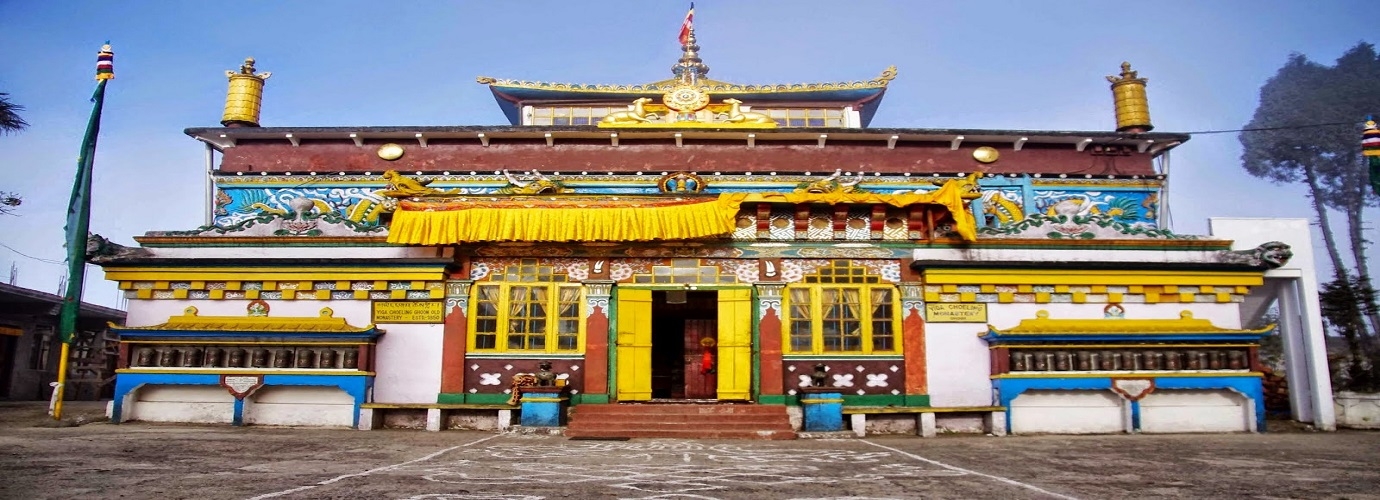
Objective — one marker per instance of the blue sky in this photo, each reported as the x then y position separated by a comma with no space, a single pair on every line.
1015,64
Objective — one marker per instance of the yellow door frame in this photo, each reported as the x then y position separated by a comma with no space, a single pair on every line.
634,343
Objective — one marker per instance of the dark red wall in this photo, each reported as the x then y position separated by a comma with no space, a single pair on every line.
702,156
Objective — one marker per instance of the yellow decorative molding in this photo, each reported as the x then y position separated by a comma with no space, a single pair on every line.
1116,346
688,125
325,322
1185,324
1135,374
162,275
1136,280
704,84
243,371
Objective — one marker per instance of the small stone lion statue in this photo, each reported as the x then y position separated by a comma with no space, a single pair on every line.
1270,255
545,378
100,250
820,374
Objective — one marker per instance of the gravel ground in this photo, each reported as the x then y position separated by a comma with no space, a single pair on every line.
100,460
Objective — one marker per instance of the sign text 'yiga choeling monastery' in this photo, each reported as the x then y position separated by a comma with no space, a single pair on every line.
693,257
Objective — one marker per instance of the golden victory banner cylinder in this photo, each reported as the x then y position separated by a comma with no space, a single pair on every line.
245,96
1128,96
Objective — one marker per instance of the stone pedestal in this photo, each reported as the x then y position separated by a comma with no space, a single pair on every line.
543,407
823,408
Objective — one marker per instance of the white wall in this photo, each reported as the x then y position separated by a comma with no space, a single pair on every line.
1068,412
300,405
958,364
149,312
182,403
408,364
1195,411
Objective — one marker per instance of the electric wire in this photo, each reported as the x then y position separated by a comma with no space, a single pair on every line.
47,261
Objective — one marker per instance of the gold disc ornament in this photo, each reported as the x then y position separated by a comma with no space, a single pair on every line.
685,99
986,154
390,151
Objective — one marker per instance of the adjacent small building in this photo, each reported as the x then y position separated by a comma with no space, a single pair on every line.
29,347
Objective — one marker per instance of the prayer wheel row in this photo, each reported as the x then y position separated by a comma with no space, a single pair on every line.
216,357
1023,360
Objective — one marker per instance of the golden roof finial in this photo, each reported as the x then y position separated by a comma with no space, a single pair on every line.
1132,107
690,68
245,96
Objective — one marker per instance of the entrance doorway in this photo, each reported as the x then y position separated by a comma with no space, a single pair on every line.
685,344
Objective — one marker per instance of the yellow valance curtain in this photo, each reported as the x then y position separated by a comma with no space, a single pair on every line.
590,219
612,218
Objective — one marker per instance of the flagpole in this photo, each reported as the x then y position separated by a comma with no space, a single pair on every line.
78,222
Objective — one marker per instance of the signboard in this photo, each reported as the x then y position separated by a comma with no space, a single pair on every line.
956,313
241,385
409,311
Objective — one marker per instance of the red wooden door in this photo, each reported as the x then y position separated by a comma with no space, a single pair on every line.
701,359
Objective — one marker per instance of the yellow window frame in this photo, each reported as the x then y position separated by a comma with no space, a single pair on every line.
503,317
817,318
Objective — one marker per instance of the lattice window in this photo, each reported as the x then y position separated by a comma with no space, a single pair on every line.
804,117
527,307
566,115
684,271
842,308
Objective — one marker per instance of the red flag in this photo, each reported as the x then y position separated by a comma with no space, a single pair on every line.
688,25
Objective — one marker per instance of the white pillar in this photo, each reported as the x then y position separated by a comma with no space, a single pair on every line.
928,426
433,419
366,419
1315,350
505,420
859,421
1292,335
996,423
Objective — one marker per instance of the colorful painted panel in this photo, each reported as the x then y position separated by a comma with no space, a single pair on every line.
495,376
237,204
858,376
1129,207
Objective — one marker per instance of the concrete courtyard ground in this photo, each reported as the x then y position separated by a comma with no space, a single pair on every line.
137,461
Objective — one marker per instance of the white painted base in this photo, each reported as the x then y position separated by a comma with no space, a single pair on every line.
1067,412
1196,411
859,423
181,403
1357,410
300,405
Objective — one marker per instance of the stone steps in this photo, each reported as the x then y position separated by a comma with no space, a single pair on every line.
683,421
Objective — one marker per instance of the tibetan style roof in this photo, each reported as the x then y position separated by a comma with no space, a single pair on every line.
1042,327
865,95
191,322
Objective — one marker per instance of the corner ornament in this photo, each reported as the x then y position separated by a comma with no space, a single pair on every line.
1270,255
400,186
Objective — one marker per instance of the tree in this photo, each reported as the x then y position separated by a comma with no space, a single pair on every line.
1307,129
10,122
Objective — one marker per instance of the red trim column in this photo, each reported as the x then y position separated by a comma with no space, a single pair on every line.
770,377
913,337
596,372
455,336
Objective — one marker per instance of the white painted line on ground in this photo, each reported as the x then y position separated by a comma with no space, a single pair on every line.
1012,482
370,471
